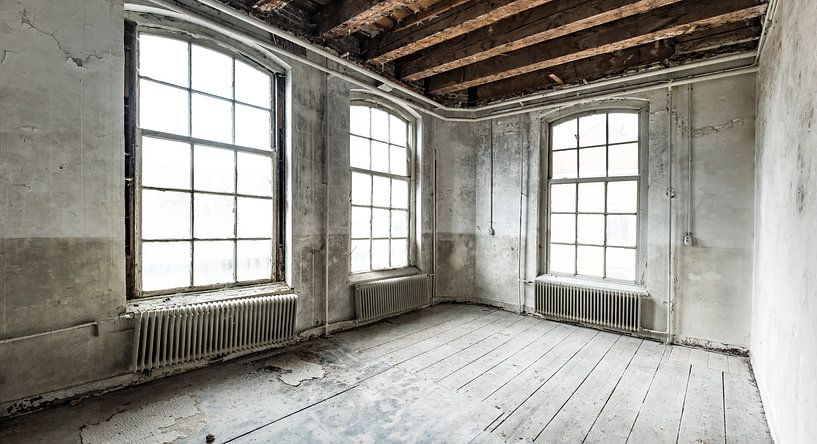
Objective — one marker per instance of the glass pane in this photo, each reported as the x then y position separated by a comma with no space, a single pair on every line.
591,197
563,228
359,120
398,131
565,135
212,119
361,222
592,162
360,256
214,169
380,254
621,264
399,223
213,262
590,229
399,253
163,108
254,260
623,127
593,130
254,217
165,163
212,72
590,261
622,197
564,164
163,59
252,85
399,193
359,152
380,157
380,125
562,258
398,161
623,160
380,191
252,127
214,216
380,223
165,215
621,231
165,265
563,198
254,174
361,189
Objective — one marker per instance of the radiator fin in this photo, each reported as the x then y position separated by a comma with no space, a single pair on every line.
609,308
389,297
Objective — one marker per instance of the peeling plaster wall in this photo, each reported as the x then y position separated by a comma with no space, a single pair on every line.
784,339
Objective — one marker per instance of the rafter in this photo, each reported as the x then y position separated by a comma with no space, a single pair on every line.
344,17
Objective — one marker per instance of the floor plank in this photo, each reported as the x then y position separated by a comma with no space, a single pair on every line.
703,415
745,422
659,419
717,361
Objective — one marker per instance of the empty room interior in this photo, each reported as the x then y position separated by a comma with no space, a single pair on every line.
459,221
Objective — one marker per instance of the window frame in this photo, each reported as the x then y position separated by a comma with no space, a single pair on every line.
411,139
133,158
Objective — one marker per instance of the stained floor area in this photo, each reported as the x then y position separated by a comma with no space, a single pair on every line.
451,373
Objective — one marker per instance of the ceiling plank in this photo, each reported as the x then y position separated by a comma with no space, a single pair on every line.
534,26
343,17
674,21
451,19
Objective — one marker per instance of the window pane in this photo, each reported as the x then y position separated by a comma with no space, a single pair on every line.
359,152
399,223
565,135
254,260
212,119
252,127
163,59
622,197
252,85
214,216
591,197
165,215
380,125
623,160
380,191
212,72
590,261
214,169
623,127
361,222
380,157
361,189
592,162
621,231
213,262
163,108
590,229
360,256
165,163
165,265
563,228
254,217
380,254
563,198
398,161
254,174
399,253
621,264
359,120
564,164
398,131
562,258
380,223
399,193
593,130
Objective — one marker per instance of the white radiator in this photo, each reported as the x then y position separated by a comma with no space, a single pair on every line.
388,297
604,307
170,336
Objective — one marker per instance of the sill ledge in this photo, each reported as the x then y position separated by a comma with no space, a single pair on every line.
197,297
592,283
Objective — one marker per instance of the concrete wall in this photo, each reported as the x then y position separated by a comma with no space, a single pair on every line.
784,339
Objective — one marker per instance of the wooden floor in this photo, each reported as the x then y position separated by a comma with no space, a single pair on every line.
452,373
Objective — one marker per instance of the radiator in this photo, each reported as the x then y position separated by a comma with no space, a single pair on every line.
388,297
609,308
171,336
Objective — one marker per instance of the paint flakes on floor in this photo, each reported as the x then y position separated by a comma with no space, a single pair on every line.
161,421
295,370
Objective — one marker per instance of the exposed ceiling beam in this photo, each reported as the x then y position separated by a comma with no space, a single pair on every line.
435,26
270,5
344,17
528,28
673,21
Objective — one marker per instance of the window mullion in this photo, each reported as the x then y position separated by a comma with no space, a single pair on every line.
192,160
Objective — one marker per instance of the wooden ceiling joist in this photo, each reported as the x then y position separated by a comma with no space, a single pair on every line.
270,5
668,22
344,17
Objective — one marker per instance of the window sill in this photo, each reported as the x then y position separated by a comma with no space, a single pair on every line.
182,299
593,283
369,276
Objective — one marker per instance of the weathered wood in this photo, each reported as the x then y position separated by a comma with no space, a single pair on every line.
660,416
738,365
271,5
717,361
675,21
702,420
745,422
347,16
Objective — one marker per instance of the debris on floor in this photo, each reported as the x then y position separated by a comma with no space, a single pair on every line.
295,370
161,421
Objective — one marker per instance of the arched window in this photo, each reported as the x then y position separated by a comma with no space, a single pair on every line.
380,163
